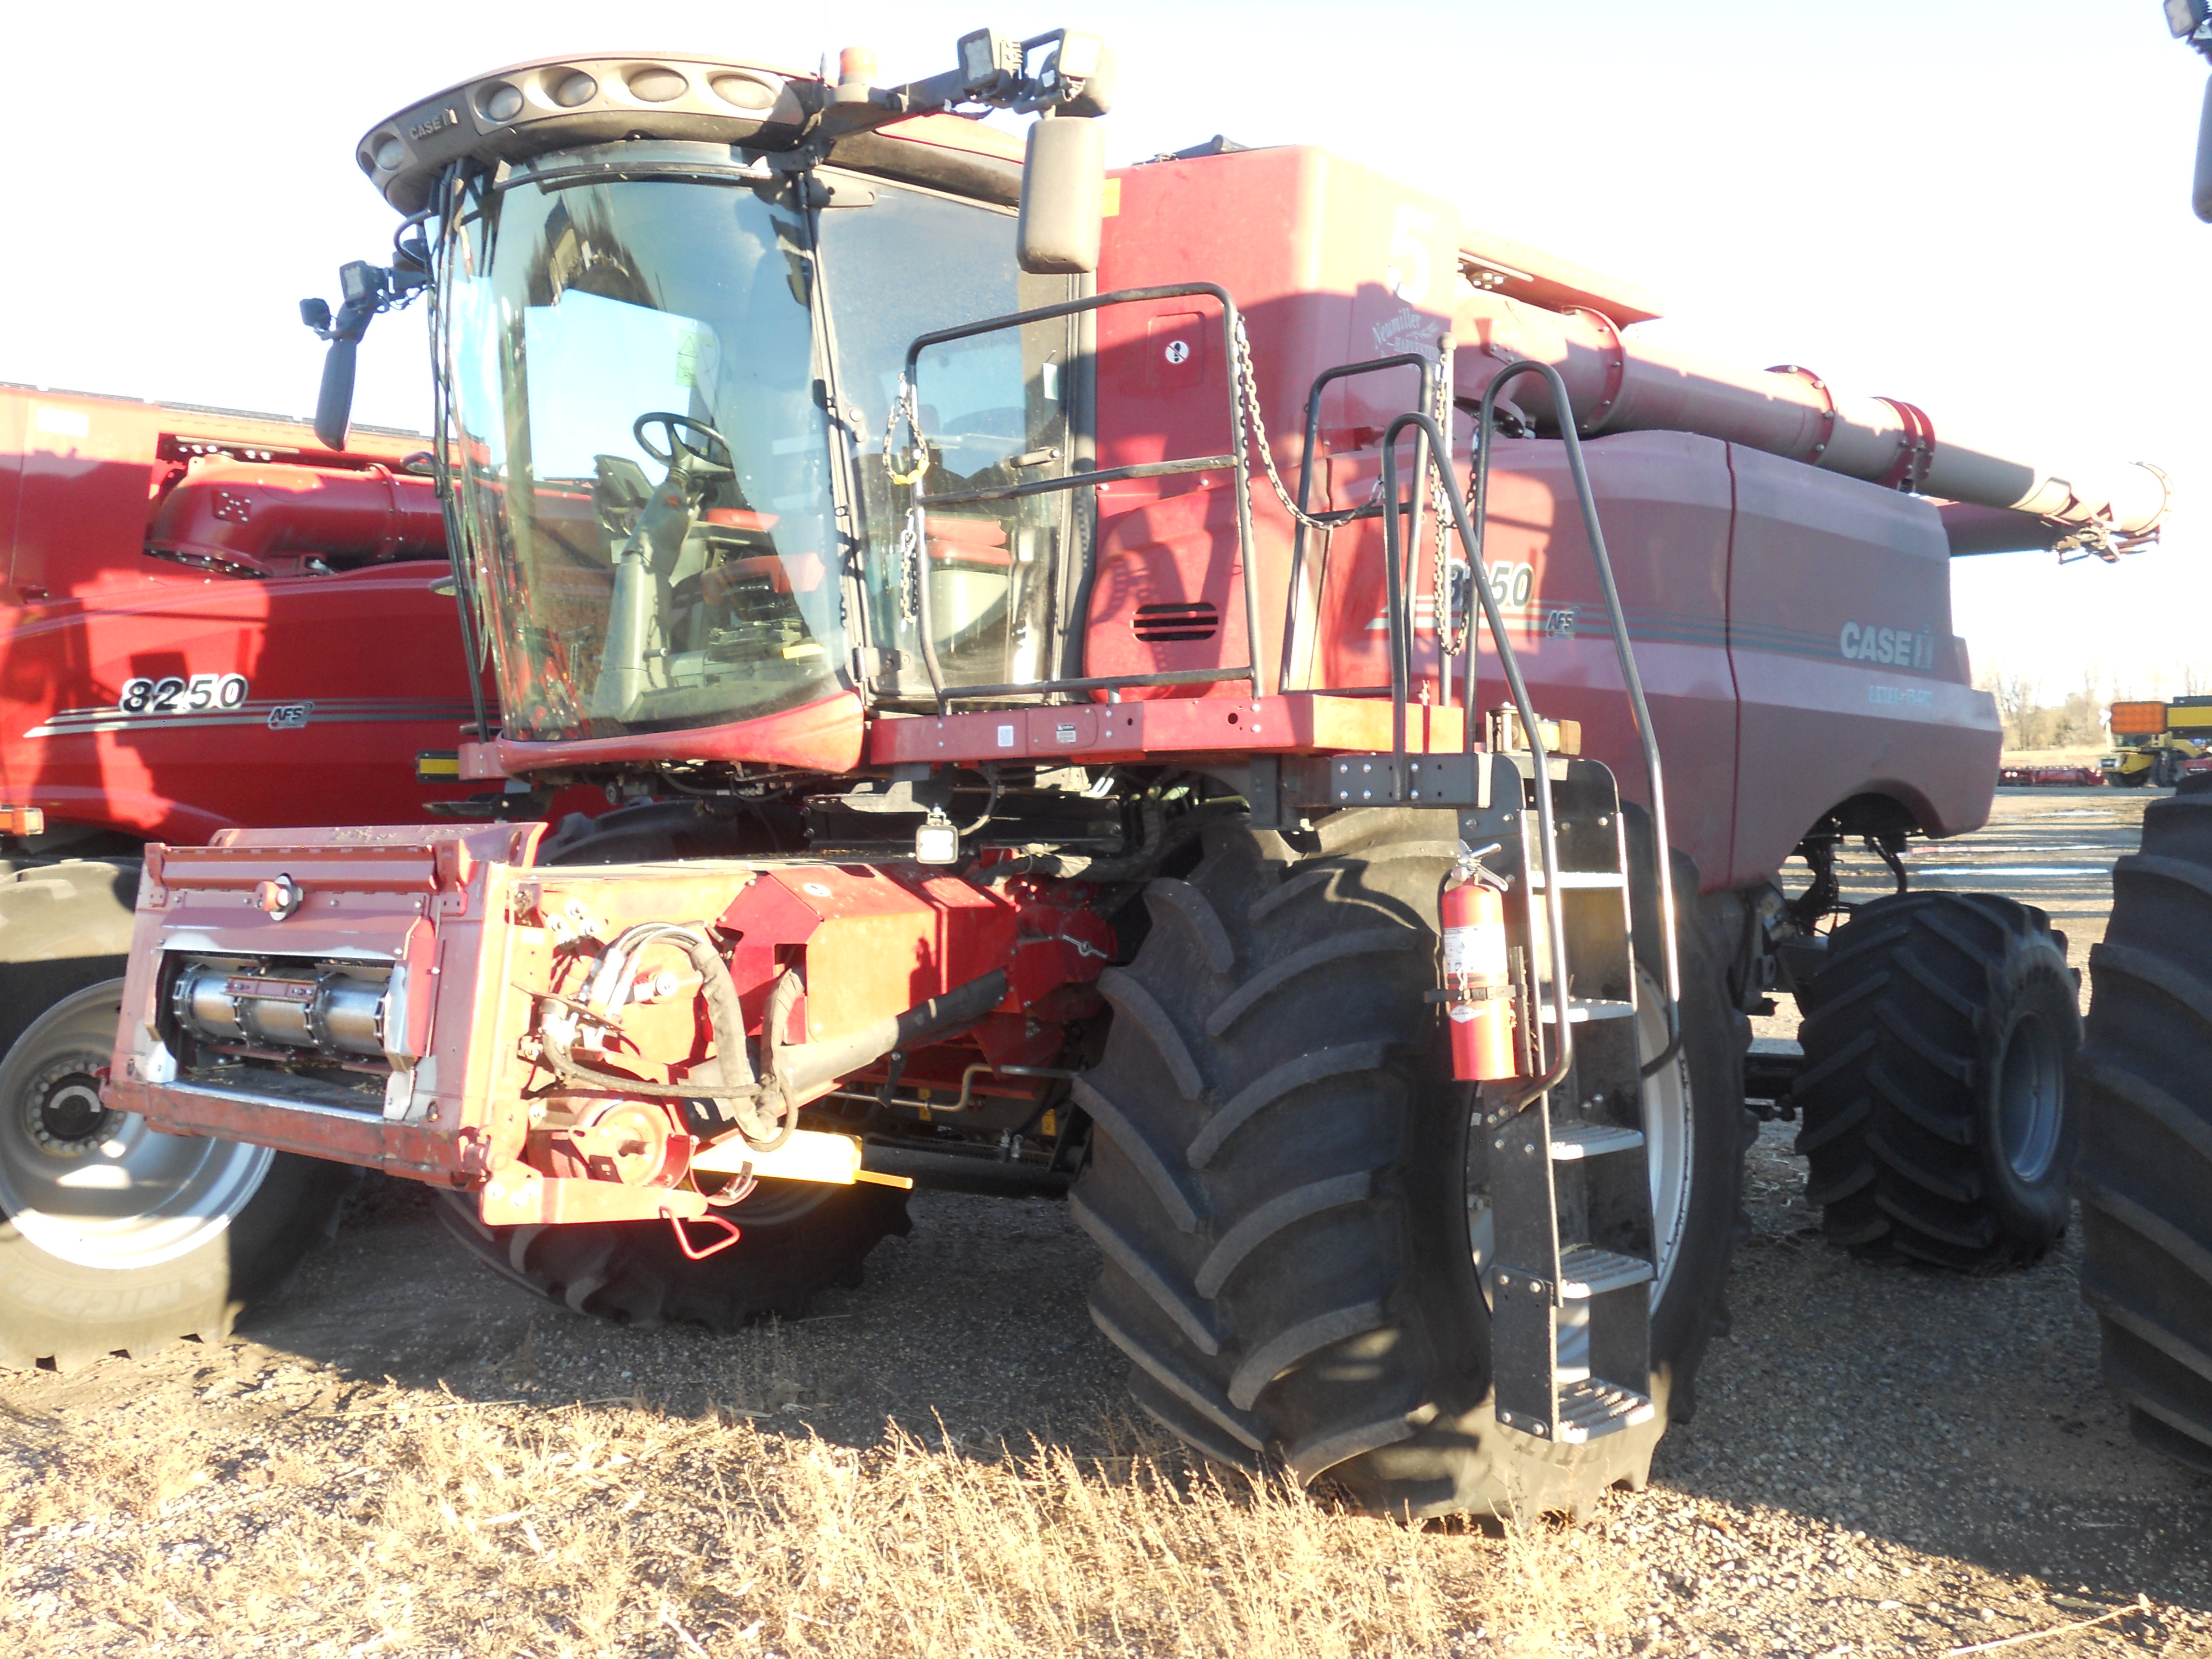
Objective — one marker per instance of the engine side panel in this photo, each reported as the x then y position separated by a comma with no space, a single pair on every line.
1663,504
1330,264
1852,683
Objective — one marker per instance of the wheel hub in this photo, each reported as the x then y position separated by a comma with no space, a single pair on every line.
99,1188
63,1116
2030,1099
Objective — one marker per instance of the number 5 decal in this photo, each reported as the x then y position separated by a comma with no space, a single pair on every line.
1409,253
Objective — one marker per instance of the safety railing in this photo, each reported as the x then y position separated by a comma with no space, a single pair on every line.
1233,460
1471,532
1430,441
1304,518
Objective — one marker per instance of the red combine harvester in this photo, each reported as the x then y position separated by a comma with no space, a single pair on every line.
1121,681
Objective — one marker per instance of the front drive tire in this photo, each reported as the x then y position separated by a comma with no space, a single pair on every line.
1938,1122
1282,1185
114,1238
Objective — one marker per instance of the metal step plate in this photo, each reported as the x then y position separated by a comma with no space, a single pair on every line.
1592,1410
1571,1141
1581,1010
1585,1271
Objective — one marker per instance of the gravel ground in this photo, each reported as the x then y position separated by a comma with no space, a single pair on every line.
1883,1460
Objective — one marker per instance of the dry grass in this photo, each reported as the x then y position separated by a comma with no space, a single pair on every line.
434,1527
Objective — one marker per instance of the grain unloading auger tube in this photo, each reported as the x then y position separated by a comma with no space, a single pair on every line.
1617,382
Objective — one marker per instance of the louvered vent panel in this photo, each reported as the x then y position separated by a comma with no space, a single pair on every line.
1163,624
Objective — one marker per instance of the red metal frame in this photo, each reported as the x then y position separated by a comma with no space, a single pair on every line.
474,934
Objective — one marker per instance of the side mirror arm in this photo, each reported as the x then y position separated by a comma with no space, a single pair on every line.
364,290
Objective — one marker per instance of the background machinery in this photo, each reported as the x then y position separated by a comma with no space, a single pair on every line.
2154,742
209,620
2145,1076
1219,688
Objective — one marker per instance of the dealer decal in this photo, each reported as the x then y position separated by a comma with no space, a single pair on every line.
1900,646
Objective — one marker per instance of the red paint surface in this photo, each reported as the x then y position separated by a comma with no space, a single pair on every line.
85,610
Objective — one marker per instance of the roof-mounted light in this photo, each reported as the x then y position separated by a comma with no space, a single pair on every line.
556,103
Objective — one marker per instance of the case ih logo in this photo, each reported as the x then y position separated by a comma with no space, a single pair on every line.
1864,643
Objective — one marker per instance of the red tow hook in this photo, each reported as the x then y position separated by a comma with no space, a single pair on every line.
684,1239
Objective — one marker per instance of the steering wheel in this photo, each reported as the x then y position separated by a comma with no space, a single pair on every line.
674,425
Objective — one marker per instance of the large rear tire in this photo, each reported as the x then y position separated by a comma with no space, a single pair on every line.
114,1238
2145,1174
1938,1122
1289,1201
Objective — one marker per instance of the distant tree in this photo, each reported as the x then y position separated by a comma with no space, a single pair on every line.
2017,696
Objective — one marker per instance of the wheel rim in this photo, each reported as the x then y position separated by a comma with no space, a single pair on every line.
1669,1131
2030,1099
99,1188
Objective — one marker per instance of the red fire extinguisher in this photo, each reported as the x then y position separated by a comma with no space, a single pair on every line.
1477,982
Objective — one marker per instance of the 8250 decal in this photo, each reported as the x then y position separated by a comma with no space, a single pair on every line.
173,695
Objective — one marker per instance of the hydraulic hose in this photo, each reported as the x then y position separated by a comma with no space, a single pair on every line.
801,1066
608,989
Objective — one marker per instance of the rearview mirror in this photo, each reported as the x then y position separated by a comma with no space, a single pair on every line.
334,401
365,289
1063,195
2201,195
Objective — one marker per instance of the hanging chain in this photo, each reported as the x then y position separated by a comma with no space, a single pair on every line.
914,531
911,537
1256,430
1453,623
907,405
1256,425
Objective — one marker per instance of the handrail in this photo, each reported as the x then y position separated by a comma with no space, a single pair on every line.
1235,461
1638,707
1508,661
1292,619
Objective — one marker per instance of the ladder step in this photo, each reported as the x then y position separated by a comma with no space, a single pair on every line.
1586,1271
1581,1010
1590,1410
1571,1141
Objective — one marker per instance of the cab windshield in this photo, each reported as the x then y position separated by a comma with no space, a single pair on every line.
645,355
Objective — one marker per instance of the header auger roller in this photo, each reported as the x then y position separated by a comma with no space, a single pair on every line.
1065,642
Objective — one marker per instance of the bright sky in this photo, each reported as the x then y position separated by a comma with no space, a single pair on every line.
1979,207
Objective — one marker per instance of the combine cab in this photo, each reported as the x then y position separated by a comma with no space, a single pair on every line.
1219,689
